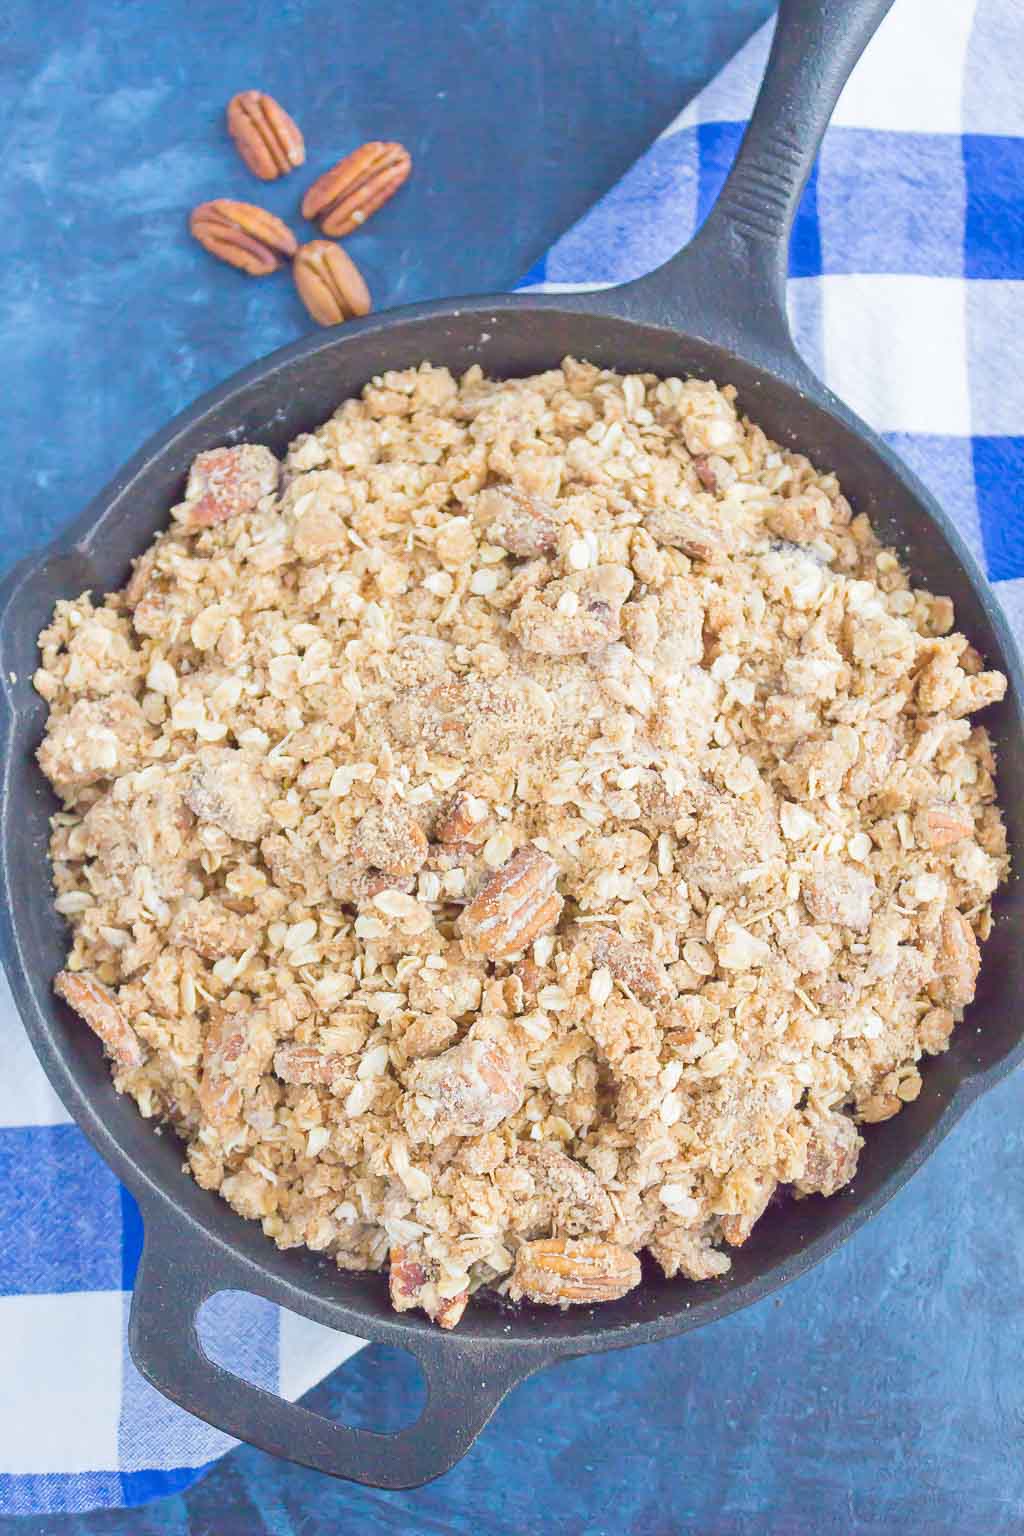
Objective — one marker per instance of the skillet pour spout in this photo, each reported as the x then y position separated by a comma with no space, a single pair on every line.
716,310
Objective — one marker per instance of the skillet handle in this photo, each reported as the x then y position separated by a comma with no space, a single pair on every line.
466,1380
729,284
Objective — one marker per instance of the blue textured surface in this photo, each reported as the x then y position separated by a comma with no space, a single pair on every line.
881,1392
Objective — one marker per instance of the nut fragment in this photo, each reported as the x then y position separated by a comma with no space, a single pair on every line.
225,482
682,530
738,1227
559,1271
92,1001
465,821
387,838
227,790
304,1064
413,1282
219,1096
632,964
329,283
474,1086
523,524
957,962
579,614
247,237
345,196
267,139
515,906
942,825
580,1203
832,1153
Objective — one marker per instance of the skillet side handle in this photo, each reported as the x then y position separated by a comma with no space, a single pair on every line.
465,1381
729,283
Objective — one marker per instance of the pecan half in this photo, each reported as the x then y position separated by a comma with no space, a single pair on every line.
329,283
268,140
94,1003
515,906
244,236
345,196
559,1271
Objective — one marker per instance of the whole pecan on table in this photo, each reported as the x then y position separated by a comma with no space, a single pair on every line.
268,140
330,284
243,235
344,197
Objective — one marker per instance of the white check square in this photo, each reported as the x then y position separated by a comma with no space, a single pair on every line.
53,1345
911,76
995,316
309,1352
895,350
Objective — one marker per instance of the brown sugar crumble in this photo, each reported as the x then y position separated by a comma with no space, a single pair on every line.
531,825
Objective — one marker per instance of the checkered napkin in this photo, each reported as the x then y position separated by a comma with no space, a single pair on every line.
907,295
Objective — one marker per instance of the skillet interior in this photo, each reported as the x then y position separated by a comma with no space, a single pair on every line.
294,391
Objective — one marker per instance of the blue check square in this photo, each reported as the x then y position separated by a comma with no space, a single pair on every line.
999,473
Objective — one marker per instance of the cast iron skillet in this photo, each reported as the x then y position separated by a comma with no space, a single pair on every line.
718,311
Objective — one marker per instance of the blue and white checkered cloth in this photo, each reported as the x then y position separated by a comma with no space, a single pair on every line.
907,295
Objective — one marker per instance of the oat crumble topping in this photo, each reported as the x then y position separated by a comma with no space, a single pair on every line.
533,824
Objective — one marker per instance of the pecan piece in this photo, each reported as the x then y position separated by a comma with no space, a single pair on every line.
581,1205
957,962
345,196
515,906
413,1282
683,531
523,524
220,1098
238,1049
303,1064
942,825
464,821
705,471
838,893
225,482
632,964
389,839
473,1087
94,1003
737,1228
244,236
227,790
560,1271
574,615
832,1153
268,140
329,283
